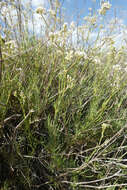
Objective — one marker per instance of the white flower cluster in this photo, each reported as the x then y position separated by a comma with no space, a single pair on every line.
54,36
57,4
77,54
104,7
72,25
11,44
97,60
65,27
41,11
80,54
70,82
117,67
2,4
60,36
91,19
52,12
69,55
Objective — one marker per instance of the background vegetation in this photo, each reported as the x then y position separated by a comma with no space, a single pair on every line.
63,104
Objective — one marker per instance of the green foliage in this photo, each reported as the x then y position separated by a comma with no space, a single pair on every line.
63,141
62,117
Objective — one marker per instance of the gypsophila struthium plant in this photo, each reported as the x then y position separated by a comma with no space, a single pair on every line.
62,101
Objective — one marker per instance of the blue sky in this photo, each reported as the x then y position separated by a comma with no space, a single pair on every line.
118,10
74,7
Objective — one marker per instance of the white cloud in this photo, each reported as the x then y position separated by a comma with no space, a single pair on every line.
39,25
36,3
12,18
10,14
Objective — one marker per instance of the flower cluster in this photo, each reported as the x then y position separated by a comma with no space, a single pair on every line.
72,25
11,44
60,36
41,11
55,36
91,19
80,54
104,7
69,55
77,54
52,12
65,27
70,82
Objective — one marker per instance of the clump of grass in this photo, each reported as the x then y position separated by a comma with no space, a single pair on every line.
63,114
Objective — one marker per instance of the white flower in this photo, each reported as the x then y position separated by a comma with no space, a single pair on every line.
65,27
91,19
18,69
40,10
101,26
104,7
80,54
52,36
52,12
70,81
117,67
2,4
4,11
59,52
86,18
72,25
69,55
12,44
125,69
69,78
90,9
97,60
57,4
